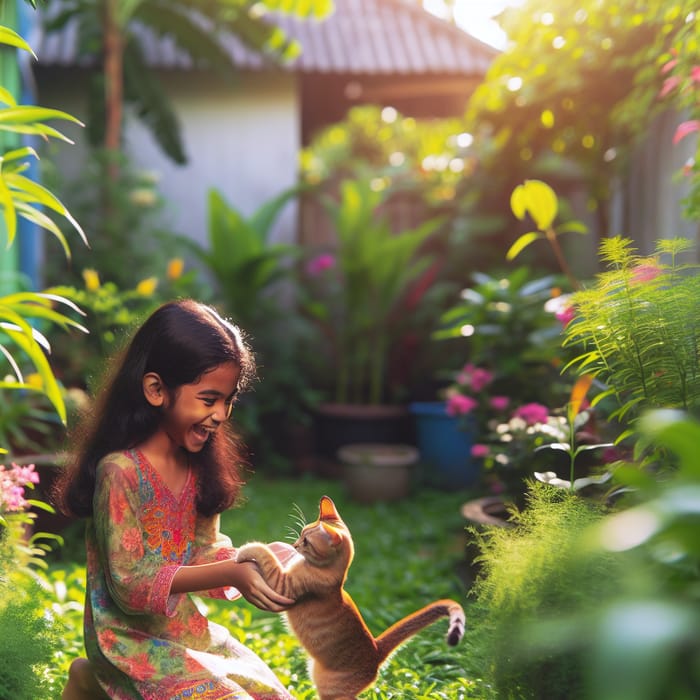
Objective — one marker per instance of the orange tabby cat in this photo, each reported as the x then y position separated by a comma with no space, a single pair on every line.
345,657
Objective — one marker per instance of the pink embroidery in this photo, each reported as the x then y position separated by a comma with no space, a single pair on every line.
131,541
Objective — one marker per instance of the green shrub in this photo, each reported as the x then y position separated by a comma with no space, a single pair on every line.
531,573
29,638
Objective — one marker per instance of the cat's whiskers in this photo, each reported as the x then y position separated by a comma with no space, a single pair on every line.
300,520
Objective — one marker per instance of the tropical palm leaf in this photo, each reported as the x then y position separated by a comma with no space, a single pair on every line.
145,92
197,28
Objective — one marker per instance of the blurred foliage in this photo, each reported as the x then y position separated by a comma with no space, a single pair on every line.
506,323
427,163
33,402
111,313
112,35
605,607
371,295
532,571
382,143
636,328
28,422
126,246
29,637
575,91
577,88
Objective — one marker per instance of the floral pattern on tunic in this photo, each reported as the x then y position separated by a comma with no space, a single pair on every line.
143,641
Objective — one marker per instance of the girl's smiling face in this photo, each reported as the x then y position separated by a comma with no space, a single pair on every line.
194,411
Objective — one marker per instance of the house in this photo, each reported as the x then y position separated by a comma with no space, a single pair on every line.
244,140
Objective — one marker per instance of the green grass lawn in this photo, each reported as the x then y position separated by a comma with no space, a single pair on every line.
406,554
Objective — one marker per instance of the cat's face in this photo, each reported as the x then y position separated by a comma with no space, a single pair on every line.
326,541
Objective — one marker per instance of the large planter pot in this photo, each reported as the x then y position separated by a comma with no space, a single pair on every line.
445,446
378,472
339,424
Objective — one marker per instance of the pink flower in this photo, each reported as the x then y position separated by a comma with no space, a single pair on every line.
320,263
499,403
481,378
695,74
684,129
459,404
532,413
479,451
565,315
12,482
645,273
27,474
669,65
464,378
669,85
477,378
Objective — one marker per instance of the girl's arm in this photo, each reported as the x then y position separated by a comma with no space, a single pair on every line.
245,577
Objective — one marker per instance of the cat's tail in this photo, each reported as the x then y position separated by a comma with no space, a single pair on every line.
402,630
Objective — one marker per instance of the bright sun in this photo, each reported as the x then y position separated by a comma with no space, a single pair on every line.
476,17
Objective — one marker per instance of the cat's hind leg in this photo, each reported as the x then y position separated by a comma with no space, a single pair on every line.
340,685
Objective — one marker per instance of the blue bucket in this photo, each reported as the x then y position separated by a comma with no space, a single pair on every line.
445,446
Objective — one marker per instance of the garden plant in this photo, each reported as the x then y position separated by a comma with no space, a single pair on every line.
29,631
560,621
363,300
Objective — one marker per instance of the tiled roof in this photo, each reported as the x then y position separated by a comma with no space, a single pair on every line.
359,37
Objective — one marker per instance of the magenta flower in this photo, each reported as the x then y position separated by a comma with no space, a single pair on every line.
479,451
670,84
532,413
481,378
645,273
12,482
499,403
565,315
459,404
684,129
320,263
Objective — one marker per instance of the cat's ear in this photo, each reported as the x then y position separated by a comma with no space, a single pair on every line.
333,535
327,510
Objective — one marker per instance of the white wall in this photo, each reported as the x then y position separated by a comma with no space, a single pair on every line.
241,139
648,206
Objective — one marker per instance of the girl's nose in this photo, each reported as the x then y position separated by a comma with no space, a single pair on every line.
222,411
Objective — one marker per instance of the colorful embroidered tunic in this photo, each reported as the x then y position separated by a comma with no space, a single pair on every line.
143,641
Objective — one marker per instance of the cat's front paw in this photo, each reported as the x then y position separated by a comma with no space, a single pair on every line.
245,553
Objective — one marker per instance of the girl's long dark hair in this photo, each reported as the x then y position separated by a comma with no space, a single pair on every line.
179,341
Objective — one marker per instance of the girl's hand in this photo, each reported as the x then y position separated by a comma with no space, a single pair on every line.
256,591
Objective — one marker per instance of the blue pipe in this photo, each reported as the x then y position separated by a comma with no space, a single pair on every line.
30,236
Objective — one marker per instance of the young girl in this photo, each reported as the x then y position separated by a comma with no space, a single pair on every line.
154,467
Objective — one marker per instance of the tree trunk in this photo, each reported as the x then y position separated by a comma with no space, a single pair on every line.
114,82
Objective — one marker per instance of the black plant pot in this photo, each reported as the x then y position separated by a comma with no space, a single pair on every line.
336,425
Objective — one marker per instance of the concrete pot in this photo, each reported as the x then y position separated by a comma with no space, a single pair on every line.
378,471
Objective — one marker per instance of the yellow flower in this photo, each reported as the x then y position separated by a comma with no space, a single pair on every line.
175,268
34,379
147,287
142,197
92,279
